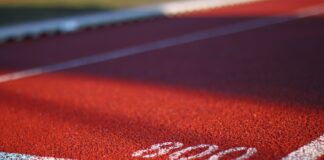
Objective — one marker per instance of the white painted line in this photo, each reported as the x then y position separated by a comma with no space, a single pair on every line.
170,42
311,151
74,23
17,156
179,7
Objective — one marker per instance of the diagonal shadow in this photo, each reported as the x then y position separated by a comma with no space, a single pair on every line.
278,63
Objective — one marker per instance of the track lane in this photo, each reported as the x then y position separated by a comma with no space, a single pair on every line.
16,56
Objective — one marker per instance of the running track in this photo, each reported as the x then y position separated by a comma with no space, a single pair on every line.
260,87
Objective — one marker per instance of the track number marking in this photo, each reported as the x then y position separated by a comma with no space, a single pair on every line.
179,155
210,149
157,147
311,151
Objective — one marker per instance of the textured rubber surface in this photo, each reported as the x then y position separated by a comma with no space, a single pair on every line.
262,88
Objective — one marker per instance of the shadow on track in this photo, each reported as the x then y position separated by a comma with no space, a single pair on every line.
276,63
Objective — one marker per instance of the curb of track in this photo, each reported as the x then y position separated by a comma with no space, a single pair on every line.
76,23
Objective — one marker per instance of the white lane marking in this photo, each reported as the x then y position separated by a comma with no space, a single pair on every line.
311,151
178,7
170,42
249,152
17,156
157,147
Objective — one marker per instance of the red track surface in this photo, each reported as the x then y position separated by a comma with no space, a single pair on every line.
262,88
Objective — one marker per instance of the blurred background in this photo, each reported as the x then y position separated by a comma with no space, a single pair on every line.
17,11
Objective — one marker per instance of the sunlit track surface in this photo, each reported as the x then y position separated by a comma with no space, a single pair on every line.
254,94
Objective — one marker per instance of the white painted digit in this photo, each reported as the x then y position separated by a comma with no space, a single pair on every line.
249,152
157,147
177,155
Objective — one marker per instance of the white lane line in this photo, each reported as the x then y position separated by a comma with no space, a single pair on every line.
179,7
165,43
311,151
16,156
